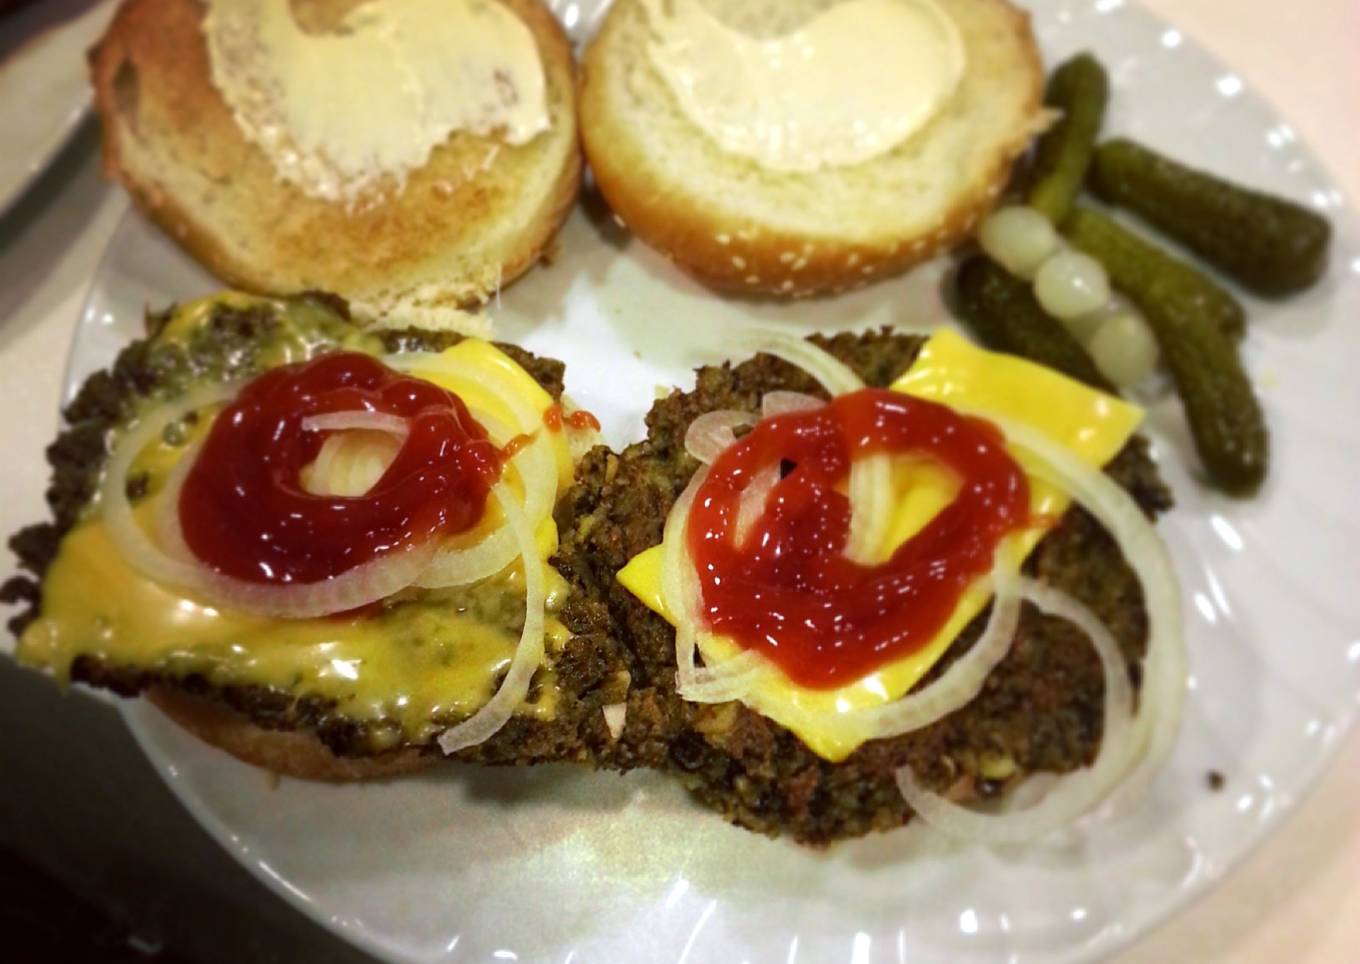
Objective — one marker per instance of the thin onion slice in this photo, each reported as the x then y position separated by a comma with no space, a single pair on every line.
960,684
870,506
536,464
537,468
615,718
360,586
316,478
1073,795
871,476
956,688
833,374
357,420
754,498
732,679
528,654
680,592
780,402
1162,694
1132,743
711,433
355,456
1131,749
362,461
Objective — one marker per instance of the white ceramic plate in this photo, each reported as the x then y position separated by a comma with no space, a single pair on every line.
566,865
44,84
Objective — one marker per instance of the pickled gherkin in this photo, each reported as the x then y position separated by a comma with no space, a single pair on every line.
1134,264
1003,312
1270,245
1080,90
1225,417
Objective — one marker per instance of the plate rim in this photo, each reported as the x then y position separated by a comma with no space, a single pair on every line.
92,21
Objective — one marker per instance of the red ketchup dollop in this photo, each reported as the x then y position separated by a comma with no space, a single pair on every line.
244,510
789,591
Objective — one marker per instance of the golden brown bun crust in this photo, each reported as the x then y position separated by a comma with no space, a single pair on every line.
742,256
476,216
291,754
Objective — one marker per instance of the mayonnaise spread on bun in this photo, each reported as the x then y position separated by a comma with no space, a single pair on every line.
849,84
369,96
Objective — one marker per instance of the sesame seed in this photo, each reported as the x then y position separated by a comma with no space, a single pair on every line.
800,264
753,279
723,239
853,260
738,261
786,257
867,269
786,286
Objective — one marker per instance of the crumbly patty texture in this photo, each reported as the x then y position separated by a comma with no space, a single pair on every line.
1039,711
228,347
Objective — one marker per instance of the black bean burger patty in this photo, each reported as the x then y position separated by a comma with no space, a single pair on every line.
585,673
1041,709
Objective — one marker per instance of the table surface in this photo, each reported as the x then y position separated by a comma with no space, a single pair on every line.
80,800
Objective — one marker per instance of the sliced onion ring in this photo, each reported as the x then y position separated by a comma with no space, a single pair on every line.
782,402
680,592
870,506
1162,694
615,718
1133,747
870,477
832,373
537,468
753,501
710,434
360,586
1073,795
536,464
1131,750
357,420
528,654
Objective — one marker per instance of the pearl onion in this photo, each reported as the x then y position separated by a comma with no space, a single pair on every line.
1019,239
1124,349
1071,284
1083,327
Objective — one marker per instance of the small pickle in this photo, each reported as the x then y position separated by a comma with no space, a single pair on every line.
1080,90
1002,311
1224,415
1134,264
1272,246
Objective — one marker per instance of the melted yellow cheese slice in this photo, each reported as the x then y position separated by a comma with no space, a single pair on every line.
950,370
436,654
